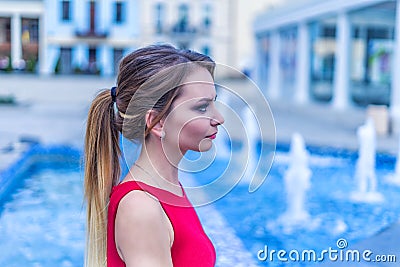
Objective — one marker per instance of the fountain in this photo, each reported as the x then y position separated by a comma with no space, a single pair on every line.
306,202
222,138
365,166
395,177
221,144
253,135
297,182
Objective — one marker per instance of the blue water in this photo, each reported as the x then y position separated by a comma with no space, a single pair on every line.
42,220
254,216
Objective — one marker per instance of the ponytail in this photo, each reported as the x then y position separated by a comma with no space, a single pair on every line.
102,171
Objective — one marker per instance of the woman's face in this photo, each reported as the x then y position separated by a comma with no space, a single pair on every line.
193,121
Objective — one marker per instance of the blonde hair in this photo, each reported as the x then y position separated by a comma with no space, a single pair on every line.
102,150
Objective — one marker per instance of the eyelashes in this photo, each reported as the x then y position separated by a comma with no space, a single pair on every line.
203,108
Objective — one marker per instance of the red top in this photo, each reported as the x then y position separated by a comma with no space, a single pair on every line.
191,246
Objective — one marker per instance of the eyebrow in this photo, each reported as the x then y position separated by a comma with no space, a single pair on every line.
207,99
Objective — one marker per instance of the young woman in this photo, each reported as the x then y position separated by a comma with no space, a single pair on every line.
164,99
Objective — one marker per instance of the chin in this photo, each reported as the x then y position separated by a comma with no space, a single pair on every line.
204,146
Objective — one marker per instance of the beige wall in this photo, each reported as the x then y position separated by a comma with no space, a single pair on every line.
244,37
221,34
231,40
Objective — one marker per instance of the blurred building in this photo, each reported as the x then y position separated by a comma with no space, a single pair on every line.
72,36
19,34
221,29
244,53
336,51
203,25
89,36
67,36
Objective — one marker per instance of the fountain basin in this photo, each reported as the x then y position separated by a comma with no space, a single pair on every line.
332,213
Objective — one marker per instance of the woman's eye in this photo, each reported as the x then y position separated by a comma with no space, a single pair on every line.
202,108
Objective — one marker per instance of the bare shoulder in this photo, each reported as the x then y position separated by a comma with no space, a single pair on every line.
141,232
139,205
138,210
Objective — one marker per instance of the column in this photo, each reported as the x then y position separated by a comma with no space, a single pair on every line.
52,54
257,72
80,15
43,57
395,90
105,60
303,64
342,62
274,71
260,74
16,45
104,15
79,58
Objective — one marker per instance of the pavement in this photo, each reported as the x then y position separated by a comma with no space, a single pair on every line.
50,110
53,110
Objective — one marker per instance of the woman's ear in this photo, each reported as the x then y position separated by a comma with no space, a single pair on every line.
157,130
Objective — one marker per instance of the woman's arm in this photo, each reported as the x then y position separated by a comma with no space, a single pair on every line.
142,234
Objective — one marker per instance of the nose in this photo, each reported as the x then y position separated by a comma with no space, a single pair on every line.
217,119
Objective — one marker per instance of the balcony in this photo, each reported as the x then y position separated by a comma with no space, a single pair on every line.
181,29
91,34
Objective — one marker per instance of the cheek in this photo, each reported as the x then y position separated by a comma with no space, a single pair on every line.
193,135
195,129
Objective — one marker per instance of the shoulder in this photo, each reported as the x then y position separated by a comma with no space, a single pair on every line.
139,209
140,228
138,202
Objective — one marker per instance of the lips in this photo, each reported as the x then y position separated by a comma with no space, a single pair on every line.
212,136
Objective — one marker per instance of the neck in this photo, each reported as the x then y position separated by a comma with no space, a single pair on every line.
161,166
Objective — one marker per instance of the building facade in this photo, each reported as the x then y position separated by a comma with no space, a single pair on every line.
21,37
90,36
67,36
84,36
202,25
336,51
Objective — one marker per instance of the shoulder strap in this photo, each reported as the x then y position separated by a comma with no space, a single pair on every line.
165,197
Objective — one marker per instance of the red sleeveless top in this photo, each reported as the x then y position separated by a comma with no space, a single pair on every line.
191,246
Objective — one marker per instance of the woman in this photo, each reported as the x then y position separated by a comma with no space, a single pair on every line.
164,99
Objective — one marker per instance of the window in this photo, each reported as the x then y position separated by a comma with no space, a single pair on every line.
183,12
92,54
92,60
64,64
182,25
206,50
66,10
34,30
5,30
119,12
329,31
30,30
206,16
92,12
8,31
159,17
118,54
